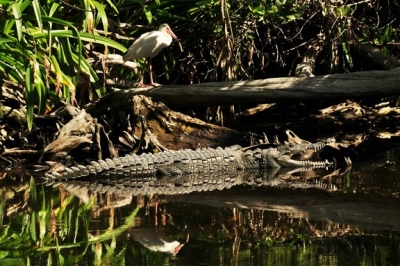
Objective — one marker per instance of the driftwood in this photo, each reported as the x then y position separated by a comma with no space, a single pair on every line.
135,124
358,84
163,127
375,54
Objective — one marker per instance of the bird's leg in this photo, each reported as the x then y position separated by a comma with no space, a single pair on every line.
151,75
141,84
176,250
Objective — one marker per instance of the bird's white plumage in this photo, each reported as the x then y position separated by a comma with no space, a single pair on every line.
155,239
151,43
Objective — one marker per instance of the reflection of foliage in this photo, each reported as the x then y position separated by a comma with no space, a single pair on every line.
53,227
2,206
66,232
261,227
378,176
259,237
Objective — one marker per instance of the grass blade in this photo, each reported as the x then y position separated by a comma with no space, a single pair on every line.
38,13
30,96
16,10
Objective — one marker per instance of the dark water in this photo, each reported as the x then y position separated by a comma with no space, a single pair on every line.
355,222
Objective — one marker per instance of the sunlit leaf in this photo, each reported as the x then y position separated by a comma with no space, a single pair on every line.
86,68
259,10
273,9
89,18
102,14
61,77
6,2
30,96
149,15
40,88
53,9
16,10
111,4
84,37
3,40
38,13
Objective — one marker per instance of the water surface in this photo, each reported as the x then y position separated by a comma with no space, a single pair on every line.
354,222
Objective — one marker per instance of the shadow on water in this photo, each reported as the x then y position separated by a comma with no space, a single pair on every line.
354,222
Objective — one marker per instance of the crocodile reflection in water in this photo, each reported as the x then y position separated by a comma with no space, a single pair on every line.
189,183
135,187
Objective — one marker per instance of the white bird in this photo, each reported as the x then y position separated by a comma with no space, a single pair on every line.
149,45
154,239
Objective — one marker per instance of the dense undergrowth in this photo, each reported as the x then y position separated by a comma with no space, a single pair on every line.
45,45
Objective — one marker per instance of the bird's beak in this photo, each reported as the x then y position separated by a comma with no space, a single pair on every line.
170,32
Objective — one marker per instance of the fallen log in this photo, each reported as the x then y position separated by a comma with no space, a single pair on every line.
358,84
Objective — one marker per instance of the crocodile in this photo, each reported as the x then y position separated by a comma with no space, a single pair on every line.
206,160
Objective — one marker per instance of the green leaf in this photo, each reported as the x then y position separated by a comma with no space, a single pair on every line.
3,40
3,196
385,51
273,10
14,75
6,2
60,75
38,13
89,20
8,25
259,10
83,36
112,6
345,46
53,8
30,96
148,15
67,64
40,88
102,14
16,10
292,17
86,68
33,204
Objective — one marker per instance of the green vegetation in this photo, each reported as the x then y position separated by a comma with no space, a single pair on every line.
54,222
51,226
42,47
45,45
